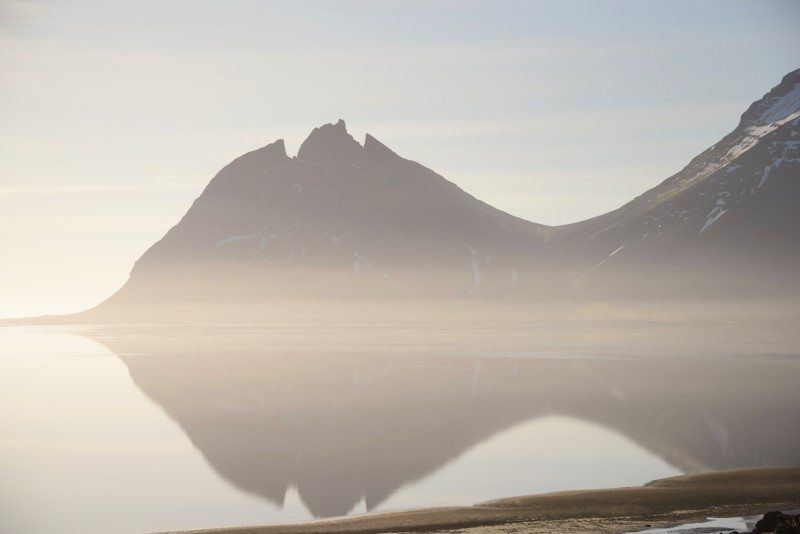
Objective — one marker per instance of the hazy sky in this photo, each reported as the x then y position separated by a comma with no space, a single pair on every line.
114,115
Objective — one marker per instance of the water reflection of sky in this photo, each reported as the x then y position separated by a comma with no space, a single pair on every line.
200,431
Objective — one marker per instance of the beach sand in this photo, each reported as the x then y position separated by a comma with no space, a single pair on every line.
664,502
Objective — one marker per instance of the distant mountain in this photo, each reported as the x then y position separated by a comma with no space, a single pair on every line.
342,219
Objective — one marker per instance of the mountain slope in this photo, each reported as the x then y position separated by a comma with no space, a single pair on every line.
731,216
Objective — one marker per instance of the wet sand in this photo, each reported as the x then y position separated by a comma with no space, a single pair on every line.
664,502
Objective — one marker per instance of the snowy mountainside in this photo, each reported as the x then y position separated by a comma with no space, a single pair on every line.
735,207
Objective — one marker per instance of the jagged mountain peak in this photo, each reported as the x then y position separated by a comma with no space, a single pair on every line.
330,143
273,152
275,149
375,147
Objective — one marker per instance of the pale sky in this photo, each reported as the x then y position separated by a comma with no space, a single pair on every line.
115,115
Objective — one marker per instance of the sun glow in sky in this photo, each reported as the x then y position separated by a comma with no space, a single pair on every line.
114,115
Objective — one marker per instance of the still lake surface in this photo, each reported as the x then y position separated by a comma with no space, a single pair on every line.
153,428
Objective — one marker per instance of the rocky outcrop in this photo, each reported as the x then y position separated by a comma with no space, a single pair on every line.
778,523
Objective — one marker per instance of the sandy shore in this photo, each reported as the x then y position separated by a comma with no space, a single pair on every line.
664,502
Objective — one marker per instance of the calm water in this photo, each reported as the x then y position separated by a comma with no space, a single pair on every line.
152,428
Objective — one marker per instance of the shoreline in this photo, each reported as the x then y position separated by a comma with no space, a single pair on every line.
466,310
660,503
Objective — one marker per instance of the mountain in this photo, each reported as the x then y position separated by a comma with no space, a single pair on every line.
342,219
728,223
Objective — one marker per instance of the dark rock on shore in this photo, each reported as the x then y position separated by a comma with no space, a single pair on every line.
778,523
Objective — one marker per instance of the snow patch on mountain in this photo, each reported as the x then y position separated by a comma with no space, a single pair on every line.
779,108
715,214
754,134
473,264
231,238
360,263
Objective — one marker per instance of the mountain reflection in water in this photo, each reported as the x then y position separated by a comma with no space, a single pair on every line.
358,420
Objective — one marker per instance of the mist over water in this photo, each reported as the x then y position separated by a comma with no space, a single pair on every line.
131,428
